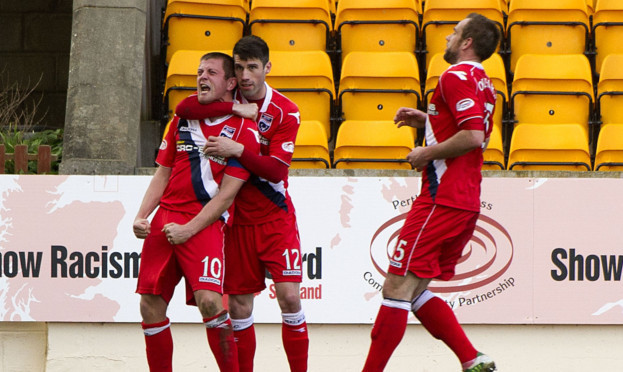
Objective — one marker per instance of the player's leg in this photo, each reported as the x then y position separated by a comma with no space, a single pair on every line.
294,332
202,261
433,312
158,276
280,251
244,276
241,310
218,329
391,321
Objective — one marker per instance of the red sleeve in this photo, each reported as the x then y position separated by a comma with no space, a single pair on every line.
459,92
190,108
167,151
266,167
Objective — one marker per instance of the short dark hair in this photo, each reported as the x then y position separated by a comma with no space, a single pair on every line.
485,35
252,47
228,62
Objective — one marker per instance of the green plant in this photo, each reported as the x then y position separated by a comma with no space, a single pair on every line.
11,136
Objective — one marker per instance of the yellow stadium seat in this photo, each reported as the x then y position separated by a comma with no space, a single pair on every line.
552,89
607,30
609,154
370,25
493,157
547,27
590,6
293,24
440,17
372,145
306,77
374,85
610,90
549,147
311,149
494,67
203,24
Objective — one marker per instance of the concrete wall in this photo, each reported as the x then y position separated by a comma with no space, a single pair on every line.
343,348
34,44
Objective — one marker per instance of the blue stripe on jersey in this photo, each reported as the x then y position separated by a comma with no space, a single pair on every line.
433,185
194,157
234,162
269,192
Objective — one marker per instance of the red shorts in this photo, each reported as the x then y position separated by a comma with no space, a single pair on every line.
199,260
250,250
432,241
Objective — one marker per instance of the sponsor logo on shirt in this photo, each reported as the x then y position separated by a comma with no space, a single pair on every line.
264,140
265,122
228,132
432,109
163,145
217,159
288,146
205,279
465,104
188,129
182,147
291,272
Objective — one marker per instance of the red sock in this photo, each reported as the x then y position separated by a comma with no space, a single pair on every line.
296,343
245,343
439,320
221,341
159,346
387,332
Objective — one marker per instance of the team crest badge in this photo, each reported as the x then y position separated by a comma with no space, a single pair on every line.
227,131
265,122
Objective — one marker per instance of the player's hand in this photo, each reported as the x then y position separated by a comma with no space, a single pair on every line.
246,110
411,117
223,146
176,234
418,158
141,228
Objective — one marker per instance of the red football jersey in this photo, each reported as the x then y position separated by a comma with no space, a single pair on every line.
278,123
464,92
195,177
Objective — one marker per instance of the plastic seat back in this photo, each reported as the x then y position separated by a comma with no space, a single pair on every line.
311,149
610,89
440,17
203,25
374,85
607,30
306,77
549,147
547,27
370,25
372,145
293,24
552,89
609,153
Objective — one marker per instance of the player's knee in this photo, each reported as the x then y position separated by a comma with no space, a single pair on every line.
153,308
290,302
209,306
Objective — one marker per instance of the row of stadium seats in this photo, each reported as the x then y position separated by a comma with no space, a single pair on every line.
528,26
353,128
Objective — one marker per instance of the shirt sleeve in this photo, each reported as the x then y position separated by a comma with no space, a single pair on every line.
167,150
190,108
282,143
459,93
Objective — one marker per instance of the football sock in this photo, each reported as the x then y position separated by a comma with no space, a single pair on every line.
159,346
387,332
439,320
221,341
295,340
244,336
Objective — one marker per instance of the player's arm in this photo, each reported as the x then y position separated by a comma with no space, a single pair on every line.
154,192
410,117
209,214
459,144
267,167
190,108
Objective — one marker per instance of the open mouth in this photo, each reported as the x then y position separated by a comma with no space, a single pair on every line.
204,88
